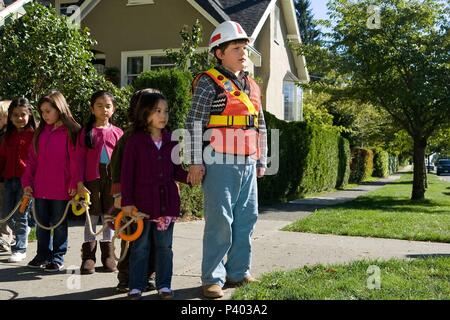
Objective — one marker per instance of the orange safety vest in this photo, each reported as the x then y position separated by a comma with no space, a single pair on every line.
235,130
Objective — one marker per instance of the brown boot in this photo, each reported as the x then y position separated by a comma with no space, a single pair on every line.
108,261
88,257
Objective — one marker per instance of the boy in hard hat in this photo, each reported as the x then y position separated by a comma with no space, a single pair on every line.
226,106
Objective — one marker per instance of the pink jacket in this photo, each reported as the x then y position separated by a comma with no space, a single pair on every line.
90,158
53,170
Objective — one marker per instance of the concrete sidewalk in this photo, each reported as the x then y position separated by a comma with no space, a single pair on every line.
273,250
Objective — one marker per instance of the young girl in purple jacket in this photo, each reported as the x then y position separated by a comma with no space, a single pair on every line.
148,184
96,143
51,176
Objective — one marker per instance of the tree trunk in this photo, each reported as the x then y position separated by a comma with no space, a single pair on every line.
418,191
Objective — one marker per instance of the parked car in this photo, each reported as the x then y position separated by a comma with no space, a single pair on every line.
443,166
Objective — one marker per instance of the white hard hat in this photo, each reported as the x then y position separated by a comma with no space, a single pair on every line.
227,31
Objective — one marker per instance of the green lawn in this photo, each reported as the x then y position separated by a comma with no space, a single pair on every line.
387,213
399,279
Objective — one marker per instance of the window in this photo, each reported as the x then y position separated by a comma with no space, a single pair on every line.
135,66
136,62
160,62
292,95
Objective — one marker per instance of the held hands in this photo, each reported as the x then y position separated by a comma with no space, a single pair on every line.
129,211
260,172
196,173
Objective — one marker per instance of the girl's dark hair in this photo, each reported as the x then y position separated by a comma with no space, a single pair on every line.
57,101
20,102
135,99
90,123
146,105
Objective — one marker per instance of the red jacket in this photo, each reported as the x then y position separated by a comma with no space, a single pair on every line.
14,153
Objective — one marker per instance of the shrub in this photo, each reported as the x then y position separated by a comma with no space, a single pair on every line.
311,159
380,163
361,166
176,87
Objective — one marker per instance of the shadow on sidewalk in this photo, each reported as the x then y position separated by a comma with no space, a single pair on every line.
21,273
112,294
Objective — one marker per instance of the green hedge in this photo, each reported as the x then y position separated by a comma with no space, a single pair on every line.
380,163
312,159
176,87
361,165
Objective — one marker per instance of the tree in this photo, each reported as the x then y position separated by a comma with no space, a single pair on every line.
401,65
308,28
42,51
187,58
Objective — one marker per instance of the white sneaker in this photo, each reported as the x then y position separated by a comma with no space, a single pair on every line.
17,256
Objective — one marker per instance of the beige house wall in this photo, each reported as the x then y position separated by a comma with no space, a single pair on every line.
277,61
120,28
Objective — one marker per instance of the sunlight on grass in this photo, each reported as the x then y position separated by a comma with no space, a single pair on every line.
398,279
387,213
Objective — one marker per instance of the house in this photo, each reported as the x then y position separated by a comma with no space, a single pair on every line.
132,36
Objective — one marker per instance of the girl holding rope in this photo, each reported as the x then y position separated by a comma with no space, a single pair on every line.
51,177
148,185
13,153
96,143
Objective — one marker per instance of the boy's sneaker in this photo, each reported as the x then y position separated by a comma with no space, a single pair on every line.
37,263
53,267
135,294
17,256
165,293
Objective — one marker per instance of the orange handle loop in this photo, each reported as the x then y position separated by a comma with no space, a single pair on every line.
24,204
129,237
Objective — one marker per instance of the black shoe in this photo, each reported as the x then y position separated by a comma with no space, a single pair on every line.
37,263
122,287
53,267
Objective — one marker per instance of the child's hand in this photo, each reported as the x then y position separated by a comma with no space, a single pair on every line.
28,190
129,211
196,173
81,189
118,202
72,192
260,172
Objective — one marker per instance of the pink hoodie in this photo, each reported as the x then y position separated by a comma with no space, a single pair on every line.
90,158
54,169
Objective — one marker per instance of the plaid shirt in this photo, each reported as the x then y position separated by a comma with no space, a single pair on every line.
209,98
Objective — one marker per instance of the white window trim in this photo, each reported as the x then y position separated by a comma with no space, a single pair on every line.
147,54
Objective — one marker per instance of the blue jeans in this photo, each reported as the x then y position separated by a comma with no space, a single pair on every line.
18,222
231,211
49,212
140,252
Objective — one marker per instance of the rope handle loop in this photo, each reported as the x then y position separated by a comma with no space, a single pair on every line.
137,218
85,202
